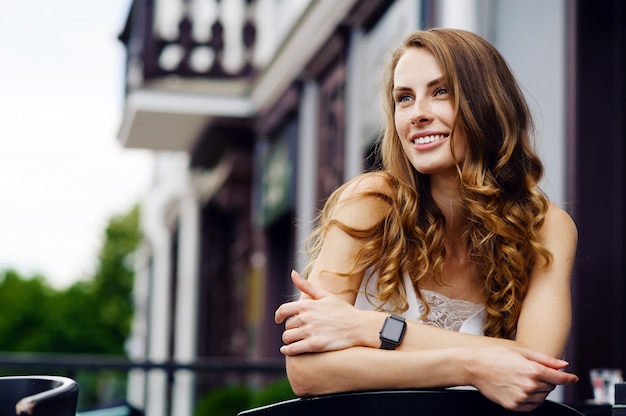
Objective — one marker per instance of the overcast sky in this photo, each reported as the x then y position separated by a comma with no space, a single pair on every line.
63,173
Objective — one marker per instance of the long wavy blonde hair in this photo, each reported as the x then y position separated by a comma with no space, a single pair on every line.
498,177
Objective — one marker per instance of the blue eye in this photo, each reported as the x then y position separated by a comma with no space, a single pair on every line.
403,98
441,91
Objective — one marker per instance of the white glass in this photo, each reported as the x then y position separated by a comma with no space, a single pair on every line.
603,381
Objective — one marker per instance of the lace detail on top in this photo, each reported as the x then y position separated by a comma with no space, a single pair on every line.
451,314
447,313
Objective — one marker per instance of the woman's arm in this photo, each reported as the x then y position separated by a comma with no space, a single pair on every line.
326,323
545,320
516,378
543,326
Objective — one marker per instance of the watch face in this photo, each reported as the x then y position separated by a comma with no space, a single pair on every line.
393,330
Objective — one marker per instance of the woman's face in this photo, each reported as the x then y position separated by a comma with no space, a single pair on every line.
424,115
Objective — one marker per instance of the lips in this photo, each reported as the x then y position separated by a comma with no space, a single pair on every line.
429,138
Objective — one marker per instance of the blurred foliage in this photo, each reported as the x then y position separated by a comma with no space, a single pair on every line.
273,392
224,401
89,317
232,399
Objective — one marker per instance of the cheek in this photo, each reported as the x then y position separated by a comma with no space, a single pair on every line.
445,111
460,146
401,122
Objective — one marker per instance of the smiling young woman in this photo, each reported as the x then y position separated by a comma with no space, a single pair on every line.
424,116
453,238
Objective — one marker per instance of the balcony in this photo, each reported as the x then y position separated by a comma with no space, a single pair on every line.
189,65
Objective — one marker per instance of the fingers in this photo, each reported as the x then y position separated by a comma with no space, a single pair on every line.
551,365
291,336
524,380
307,287
292,308
543,359
290,322
553,376
522,395
296,340
561,377
291,349
286,310
534,398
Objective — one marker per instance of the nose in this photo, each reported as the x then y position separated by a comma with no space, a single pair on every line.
421,112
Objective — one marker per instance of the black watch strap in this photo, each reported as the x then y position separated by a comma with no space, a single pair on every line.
386,345
392,332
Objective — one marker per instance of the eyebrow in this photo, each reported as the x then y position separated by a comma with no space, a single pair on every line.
436,81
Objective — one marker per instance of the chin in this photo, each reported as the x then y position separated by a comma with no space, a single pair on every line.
436,170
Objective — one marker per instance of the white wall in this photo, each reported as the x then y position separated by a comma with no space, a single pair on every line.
274,20
368,56
531,34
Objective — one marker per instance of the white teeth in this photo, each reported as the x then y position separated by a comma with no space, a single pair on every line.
429,139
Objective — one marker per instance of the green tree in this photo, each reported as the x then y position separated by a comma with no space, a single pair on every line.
24,306
91,316
112,285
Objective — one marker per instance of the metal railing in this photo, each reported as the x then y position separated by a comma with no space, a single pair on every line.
75,365
74,362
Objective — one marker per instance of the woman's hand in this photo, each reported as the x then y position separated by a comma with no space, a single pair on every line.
516,378
318,322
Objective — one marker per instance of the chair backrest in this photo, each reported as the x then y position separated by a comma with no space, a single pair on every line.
38,396
439,402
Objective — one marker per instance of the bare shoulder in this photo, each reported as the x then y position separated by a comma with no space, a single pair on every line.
558,220
367,183
558,232
364,200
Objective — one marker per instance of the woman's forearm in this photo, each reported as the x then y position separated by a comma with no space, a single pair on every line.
362,368
420,337
324,322
516,378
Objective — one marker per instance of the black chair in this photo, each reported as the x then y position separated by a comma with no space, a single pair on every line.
38,396
439,402
619,409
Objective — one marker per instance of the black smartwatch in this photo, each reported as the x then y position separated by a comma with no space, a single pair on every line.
392,332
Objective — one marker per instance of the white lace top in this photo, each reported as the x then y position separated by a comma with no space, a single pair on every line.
452,314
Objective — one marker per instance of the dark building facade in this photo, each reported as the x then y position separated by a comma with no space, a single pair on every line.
251,135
